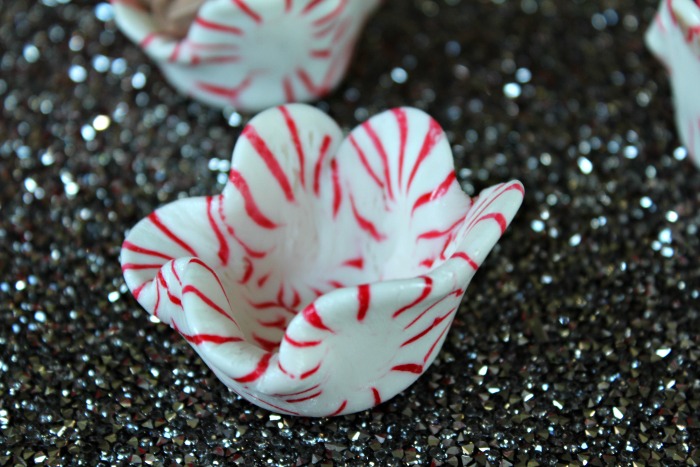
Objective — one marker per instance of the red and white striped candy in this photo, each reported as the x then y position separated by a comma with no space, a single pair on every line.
324,279
674,38
253,54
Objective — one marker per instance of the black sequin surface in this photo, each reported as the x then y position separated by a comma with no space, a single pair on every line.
577,344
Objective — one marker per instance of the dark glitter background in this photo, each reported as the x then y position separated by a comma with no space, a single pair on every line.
578,340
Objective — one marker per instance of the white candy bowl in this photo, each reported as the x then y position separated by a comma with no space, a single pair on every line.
253,54
324,279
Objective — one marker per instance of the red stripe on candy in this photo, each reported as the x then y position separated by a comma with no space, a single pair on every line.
339,409
251,207
325,144
279,323
363,298
175,53
422,313
196,60
498,217
155,307
198,339
248,273
311,316
137,291
332,15
227,92
266,344
365,163
284,370
427,287
437,193
137,267
432,326
289,394
305,398
340,32
475,217
257,372
320,53
310,6
276,407
217,26
223,244
249,251
153,217
379,147
431,139
432,347
300,344
377,397
175,274
211,271
309,84
269,159
430,234
288,90
466,258
245,8
294,132
208,301
402,122
127,245
337,192
335,285
409,368
366,224
173,299
263,279
147,40
306,374
357,263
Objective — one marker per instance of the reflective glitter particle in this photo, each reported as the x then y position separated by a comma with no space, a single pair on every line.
537,225
680,153
104,12
575,240
31,53
101,122
585,165
630,152
512,90
399,75
523,75
119,66
138,81
101,63
665,236
88,132
76,43
77,73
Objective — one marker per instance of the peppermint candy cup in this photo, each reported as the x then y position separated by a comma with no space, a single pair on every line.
674,38
252,54
324,279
